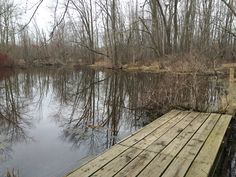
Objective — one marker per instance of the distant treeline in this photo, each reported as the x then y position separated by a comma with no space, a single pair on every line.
122,31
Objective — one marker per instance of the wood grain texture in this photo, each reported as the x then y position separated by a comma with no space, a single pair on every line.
205,159
180,143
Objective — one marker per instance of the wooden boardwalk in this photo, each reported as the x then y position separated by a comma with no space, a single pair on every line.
180,143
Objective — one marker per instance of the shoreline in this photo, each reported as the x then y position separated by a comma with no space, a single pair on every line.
131,69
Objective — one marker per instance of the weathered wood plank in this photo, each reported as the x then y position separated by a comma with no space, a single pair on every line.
205,159
180,143
172,133
121,161
231,74
137,165
133,139
94,165
162,161
143,159
117,164
152,137
229,65
100,161
183,160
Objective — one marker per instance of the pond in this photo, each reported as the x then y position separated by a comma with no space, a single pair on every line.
54,120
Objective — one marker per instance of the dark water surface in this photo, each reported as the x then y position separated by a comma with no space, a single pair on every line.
53,120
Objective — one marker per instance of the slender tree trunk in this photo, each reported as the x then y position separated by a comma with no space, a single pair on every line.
176,25
115,61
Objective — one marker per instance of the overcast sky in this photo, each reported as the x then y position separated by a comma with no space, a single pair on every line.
43,17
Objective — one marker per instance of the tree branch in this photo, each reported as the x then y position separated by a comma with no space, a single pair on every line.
230,7
32,16
91,50
62,18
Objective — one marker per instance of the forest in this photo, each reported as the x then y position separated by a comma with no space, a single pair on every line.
67,93
164,34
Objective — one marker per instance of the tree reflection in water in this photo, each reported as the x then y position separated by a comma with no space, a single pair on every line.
97,105
101,103
95,109
13,118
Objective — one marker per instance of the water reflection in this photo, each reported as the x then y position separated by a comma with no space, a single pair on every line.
97,102
81,113
13,119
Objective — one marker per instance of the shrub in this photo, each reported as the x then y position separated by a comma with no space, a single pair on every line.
4,59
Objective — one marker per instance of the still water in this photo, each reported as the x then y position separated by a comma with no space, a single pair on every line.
54,120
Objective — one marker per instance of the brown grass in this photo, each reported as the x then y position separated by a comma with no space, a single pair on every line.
181,63
105,63
185,63
152,67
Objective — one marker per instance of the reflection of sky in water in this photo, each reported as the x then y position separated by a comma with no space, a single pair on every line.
50,152
58,145
46,154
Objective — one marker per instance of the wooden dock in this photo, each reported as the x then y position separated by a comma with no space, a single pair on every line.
180,143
